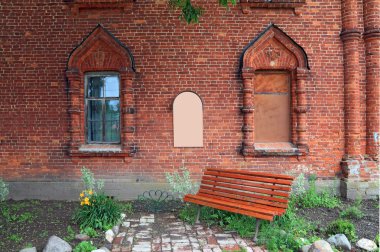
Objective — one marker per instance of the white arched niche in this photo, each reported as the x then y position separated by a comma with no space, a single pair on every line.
188,120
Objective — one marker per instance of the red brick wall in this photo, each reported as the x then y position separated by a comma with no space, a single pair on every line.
36,40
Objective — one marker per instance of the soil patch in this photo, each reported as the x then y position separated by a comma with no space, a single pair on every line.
366,227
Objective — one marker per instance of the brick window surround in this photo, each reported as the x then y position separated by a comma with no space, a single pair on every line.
273,50
100,52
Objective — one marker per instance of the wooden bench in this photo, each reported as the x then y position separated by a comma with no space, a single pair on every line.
256,194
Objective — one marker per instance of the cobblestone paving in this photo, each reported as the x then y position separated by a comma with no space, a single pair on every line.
164,232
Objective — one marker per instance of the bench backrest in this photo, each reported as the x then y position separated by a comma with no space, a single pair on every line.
259,189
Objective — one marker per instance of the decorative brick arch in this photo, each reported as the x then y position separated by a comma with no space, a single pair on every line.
100,51
274,50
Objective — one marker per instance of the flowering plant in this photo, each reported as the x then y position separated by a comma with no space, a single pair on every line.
97,210
86,196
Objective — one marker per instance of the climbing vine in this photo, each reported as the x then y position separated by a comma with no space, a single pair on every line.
191,13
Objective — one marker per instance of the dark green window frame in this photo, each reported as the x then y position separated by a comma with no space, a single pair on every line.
99,106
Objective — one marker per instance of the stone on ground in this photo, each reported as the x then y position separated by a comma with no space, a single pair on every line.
102,249
56,244
320,246
305,248
110,235
366,244
82,237
29,250
340,241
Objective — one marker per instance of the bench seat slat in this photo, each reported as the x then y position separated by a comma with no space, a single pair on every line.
249,183
253,173
247,194
230,198
243,188
250,178
222,205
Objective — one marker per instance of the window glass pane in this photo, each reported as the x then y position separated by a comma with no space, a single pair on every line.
94,110
94,131
112,121
95,86
111,86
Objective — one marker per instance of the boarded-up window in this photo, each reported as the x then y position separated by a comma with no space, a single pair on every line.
272,107
188,120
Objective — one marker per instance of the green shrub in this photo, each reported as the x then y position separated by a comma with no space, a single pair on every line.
377,240
102,212
311,198
127,208
4,190
352,212
90,232
84,246
89,181
70,234
181,183
287,232
341,226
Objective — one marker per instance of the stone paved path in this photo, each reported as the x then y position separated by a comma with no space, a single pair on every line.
164,232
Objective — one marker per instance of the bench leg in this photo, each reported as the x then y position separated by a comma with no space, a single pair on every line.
198,213
257,230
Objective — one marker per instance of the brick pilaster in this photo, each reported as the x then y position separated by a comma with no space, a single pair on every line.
371,10
351,36
248,107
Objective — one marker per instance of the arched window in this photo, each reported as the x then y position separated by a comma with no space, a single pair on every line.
100,73
275,74
188,120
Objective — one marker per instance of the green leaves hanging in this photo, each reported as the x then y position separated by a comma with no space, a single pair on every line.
191,13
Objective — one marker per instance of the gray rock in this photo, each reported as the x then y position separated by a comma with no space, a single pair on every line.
320,246
305,248
110,235
29,250
102,249
82,237
340,241
366,244
56,244
115,229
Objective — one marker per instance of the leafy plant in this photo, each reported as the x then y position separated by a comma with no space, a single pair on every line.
101,213
181,183
341,226
89,180
191,13
84,246
127,208
90,232
298,187
352,212
377,240
26,217
4,190
287,232
311,198
70,234
15,237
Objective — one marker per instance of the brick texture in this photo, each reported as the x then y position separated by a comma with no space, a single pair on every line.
37,37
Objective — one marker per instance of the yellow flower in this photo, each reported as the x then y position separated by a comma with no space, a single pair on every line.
90,192
81,194
86,200
81,203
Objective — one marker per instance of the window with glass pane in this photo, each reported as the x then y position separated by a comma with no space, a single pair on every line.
102,108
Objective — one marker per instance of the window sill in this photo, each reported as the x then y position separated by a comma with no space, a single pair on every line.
276,149
100,150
